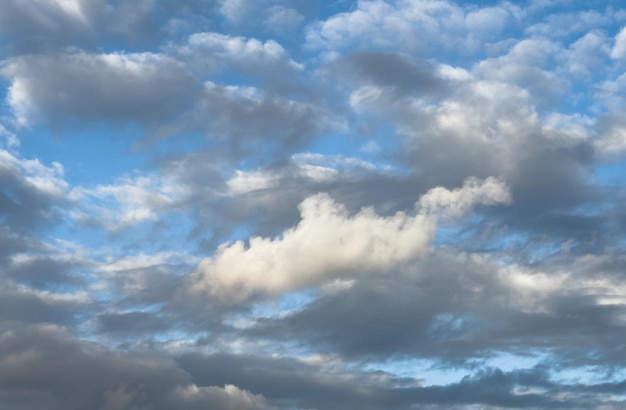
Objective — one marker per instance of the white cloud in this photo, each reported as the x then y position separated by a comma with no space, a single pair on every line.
229,397
72,8
248,181
457,202
487,21
619,49
234,10
612,141
381,24
412,26
47,180
282,18
10,139
587,54
209,51
128,202
329,243
528,64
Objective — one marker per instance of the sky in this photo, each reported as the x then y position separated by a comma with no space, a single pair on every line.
309,204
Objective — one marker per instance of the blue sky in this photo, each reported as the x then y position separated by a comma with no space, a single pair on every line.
307,204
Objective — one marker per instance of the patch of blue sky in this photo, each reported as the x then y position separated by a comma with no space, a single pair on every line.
588,375
475,232
89,156
424,371
334,143
430,372
610,174
280,308
377,145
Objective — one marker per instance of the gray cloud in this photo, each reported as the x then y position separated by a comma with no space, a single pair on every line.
44,25
115,87
248,109
44,367
30,193
454,309
392,70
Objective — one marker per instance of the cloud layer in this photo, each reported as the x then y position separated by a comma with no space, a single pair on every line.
372,204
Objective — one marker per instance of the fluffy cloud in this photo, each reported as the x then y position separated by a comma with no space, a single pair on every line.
329,243
423,25
118,87
209,51
350,157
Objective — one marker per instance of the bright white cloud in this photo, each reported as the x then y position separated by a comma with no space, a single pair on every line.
329,243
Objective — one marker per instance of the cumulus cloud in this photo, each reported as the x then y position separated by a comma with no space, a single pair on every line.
117,87
211,51
329,243
423,25
351,158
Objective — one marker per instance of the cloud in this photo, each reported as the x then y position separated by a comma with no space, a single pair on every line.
283,18
48,24
313,216
45,367
464,309
393,71
211,51
253,122
329,243
31,191
422,25
142,88
619,49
